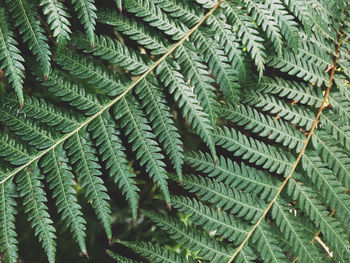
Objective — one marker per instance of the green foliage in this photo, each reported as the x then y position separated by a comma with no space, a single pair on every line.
203,105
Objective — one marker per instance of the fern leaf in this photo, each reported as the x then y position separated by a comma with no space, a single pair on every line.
254,151
263,17
119,258
139,133
287,25
61,182
114,52
214,56
340,104
339,129
95,74
153,101
221,223
292,230
267,244
331,189
151,13
25,19
198,76
31,190
27,130
57,18
246,255
264,126
72,92
10,59
39,109
188,14
8,235
303,117
83,156
336,157
135,30
248,34
319,215
85,10
240,203
14,151
111,150
240,177
154,253
227,39
186,99
209,249
291,90
300,67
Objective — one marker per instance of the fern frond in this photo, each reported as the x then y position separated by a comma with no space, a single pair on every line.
248,34
340,104
188,14
111,150
238,176
209,249
263,17
197,74
27,130
10,58
286,22
246,255
268,245
339,128
8,235
152,14
239,203
219,222
292,230
74,93
14,151
324,181
296,115
154,253
85,10
83,156
232,47
292,90
183,94
114,52
153,101
319,215
137,31
30,188
336,157
311,52
96,74
24,16
61,182
44,112
300,67
119,258
264,125
254,151
218,63
57,18
138,131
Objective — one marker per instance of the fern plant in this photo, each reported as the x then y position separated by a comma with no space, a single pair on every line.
110,92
